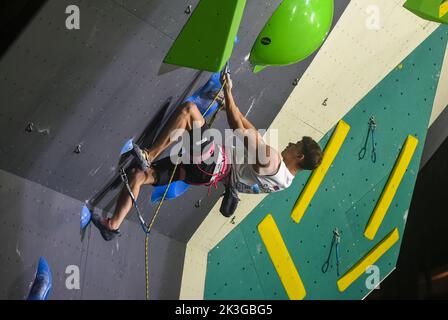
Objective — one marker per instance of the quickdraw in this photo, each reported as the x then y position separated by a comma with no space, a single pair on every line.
334,243
370,132
125,180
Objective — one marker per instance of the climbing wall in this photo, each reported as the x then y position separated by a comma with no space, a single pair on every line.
96,87
70,99
240,266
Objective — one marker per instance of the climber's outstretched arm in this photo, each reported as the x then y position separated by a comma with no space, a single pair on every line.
267,158
233,113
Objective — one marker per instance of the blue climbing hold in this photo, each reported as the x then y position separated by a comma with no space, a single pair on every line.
206,94
127,147
177,188
42,284
86,215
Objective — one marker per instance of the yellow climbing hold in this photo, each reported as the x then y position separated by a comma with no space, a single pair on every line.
360,267
283,263
330,153
443,9
391,187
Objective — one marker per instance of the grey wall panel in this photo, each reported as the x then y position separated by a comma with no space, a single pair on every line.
84,92
36,221
167,16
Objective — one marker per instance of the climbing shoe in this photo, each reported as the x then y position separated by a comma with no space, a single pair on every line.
103,227
140,155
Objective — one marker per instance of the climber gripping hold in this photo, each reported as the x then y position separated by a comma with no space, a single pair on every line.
211,162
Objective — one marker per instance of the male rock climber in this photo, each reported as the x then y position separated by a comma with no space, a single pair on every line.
271,171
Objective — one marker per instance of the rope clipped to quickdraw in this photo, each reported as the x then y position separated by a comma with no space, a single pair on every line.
125,180
221,104
334,243
220,107
370,133
147,227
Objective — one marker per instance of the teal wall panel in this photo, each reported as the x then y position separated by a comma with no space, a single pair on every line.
401,104
237,268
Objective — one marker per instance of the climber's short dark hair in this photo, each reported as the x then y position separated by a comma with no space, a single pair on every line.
312,152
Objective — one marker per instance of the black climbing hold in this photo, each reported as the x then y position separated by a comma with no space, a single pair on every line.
78,149
30,127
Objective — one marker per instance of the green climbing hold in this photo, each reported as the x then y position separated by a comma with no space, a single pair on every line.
206,41
433,10
294,31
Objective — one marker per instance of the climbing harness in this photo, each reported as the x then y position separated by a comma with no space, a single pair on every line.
334,243
220,171
370,132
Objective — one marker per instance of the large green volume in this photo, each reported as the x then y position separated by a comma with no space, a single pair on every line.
294,31
206,41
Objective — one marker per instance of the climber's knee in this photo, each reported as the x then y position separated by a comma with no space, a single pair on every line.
138,177
191,111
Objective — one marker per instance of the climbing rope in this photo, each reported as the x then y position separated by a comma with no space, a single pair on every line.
334,243
149,227
160,204
220,107
370,133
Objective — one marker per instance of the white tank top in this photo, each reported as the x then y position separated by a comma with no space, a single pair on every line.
247,180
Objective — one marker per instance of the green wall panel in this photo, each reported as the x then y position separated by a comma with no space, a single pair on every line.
401,104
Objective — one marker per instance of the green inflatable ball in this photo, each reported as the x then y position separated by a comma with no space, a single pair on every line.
294,31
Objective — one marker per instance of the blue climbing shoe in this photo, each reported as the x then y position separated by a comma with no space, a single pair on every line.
140,155
102,226
42,282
